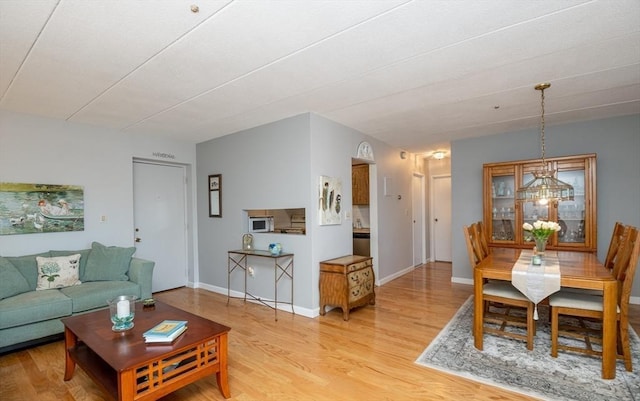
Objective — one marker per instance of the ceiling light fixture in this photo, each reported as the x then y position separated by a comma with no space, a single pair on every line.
439,154
544,187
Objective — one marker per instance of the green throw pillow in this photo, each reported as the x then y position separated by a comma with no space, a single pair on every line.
84,255
11,281
107,263
28,267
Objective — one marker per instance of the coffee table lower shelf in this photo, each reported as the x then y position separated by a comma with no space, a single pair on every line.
101,373
151,378
155,378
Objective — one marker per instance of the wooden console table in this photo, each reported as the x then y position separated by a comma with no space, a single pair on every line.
347,282
282,267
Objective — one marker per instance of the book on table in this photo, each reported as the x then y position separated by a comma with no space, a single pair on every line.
165,331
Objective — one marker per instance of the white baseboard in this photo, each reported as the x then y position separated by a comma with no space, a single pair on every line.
306,312
462,280
385,280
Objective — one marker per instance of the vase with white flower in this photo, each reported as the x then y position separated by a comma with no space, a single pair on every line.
541,230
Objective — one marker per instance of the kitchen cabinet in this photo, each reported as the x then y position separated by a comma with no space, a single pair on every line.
360,184
503,216
347,282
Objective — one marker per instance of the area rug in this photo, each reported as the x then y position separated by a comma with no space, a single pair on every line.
506,363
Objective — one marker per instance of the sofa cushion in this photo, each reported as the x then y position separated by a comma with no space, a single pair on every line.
33,306
11,281
58,272
84,255
107,263
95,294
28,267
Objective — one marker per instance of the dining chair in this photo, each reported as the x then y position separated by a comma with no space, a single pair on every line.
501,298
482,239
474,249
614,245
586,306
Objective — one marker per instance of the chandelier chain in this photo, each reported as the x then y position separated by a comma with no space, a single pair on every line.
542,128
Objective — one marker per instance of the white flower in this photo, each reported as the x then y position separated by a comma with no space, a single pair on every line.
542,229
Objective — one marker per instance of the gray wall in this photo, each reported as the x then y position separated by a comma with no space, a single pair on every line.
262,168
46,151
616,142
278,165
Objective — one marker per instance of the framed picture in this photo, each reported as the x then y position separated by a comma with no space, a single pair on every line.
329,200
27,208
215,195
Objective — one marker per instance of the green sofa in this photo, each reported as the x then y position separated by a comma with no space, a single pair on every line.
32,302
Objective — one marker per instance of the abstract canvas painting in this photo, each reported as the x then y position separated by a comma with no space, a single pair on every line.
40,208
329,199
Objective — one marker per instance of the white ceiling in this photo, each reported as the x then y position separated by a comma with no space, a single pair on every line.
415,74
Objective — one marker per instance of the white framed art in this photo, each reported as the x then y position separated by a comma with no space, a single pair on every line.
329,200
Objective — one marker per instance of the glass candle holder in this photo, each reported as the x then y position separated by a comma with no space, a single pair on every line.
122,310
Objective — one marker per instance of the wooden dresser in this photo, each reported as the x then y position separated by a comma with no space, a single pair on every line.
347,282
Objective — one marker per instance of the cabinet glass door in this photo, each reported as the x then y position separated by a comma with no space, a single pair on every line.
504,208
571,214
532,211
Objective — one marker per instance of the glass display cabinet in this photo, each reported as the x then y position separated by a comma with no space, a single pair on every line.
504,216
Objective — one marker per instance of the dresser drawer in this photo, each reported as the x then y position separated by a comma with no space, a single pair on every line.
360,284
359,265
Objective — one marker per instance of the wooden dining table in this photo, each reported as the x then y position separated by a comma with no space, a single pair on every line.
577,270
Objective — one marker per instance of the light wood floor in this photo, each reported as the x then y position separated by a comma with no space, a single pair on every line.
370,357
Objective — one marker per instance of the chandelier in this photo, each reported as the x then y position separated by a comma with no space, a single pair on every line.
544,187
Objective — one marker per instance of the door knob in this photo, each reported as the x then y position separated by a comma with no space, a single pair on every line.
138,239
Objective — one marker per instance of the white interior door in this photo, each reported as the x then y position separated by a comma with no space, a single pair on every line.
159,192
417,204
441,214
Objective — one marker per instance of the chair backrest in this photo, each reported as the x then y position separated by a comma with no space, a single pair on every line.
614,245
482,239
473,244
626,263
620,260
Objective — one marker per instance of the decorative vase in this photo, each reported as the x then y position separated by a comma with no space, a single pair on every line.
541,245
122,310
275,248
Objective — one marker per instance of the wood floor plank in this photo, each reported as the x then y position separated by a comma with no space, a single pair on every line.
369,357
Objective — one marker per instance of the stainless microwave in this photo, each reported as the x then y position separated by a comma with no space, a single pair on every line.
262,224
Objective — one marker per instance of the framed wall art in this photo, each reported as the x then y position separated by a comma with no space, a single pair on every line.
330,199
215,195
40,208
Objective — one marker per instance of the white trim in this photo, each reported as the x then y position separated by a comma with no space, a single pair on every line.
394,276
462,280
281,306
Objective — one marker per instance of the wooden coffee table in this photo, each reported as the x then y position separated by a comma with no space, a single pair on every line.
127,368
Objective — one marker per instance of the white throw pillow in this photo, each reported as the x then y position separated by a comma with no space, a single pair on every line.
58,272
